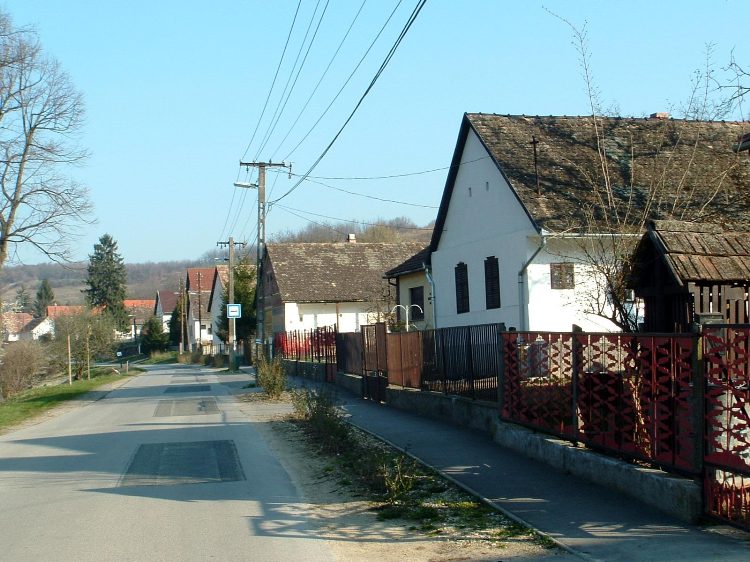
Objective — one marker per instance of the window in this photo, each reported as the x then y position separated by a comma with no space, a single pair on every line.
492,282
562,276
462,288
416,296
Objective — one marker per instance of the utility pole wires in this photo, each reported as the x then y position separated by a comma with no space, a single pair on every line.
232,336
260,328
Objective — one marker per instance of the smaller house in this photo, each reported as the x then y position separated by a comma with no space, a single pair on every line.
37,329
138,311
165,304
219,285
312,285
56,311
198,284
14,323
414,291
683,269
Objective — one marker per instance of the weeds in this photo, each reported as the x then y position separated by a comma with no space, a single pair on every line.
271,377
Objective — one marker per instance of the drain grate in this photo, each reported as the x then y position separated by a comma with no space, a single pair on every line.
187,388
197,462
187,407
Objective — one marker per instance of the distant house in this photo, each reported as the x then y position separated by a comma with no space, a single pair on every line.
138,311
310,285
14,323
56,311
685,270
198,284
166,302
523,207
414,291
219,285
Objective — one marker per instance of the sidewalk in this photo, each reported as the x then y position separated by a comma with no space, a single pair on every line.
592,521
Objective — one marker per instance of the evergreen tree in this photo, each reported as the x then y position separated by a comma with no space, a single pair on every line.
153,337
45,296
23,300
107,281
244,294
175,323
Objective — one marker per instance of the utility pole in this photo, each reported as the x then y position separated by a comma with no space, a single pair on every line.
260,312
200,314
230,299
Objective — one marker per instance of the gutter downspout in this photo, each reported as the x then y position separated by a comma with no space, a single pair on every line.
432,293
523,320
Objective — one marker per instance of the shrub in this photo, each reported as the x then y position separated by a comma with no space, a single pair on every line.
271,377
21,363
326,420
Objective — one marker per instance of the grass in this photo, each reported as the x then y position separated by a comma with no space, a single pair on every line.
398,486
161,357
30,403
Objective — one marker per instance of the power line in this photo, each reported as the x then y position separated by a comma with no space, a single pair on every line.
273,83
325,72
380,71
370,196
282,102
290,209
328,226
391,176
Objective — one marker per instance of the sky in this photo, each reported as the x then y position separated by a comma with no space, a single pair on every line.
179,92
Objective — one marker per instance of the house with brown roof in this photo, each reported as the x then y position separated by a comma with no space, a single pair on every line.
13,324
311,285
138,311
528,201
165,303
414,289
219,285
198,284
685,271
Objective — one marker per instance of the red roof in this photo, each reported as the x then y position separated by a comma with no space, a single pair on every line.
200,278
168,300
56,311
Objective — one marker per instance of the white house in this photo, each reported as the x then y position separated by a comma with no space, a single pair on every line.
521,209
414,291
166,302
311,285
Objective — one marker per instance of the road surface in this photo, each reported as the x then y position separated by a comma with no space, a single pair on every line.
163,468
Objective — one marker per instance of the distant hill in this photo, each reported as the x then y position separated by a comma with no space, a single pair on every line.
68,281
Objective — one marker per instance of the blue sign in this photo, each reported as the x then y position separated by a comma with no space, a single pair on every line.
234,311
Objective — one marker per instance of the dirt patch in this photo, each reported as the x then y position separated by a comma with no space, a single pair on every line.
347,520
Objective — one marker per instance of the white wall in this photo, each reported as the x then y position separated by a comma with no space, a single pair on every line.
484,219
407,282
349,317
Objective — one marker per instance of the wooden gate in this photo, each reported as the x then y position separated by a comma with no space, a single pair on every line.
374,362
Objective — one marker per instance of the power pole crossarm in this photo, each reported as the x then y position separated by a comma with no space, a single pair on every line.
260,312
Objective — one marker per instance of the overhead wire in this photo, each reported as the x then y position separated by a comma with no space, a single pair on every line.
286,208
391,176
346,82
384,64
282,102
328,226
322,76
273,83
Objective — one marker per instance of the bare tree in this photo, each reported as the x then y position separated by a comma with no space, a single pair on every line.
669,169
40,117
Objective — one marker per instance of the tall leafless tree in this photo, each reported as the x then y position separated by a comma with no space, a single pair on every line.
41,116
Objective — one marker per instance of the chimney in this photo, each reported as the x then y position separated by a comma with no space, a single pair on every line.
659,115
351,238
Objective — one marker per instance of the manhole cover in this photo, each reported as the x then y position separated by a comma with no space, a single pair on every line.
188,388
197,462
187,407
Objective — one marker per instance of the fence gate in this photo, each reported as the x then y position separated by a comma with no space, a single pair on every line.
727,447
374,362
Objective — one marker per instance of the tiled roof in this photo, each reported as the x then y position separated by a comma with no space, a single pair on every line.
168,300
701,252
56,311
334,272
223,272
200,278
140,303
140,309
690,159
201,297
412,264
16,321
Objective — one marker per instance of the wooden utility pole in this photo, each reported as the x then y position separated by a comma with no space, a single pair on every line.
200,314
260,312
70,360
181,296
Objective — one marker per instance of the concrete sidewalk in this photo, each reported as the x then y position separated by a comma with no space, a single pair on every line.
589,520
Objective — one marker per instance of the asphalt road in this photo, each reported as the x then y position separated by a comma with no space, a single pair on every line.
163,468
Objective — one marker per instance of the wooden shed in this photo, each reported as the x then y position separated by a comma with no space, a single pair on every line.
683,269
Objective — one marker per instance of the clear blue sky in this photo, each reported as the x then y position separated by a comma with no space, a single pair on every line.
175,89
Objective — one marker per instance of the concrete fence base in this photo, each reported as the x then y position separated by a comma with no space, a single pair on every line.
677,496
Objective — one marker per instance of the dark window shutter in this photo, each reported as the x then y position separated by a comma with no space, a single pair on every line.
416,296
462,288
492,282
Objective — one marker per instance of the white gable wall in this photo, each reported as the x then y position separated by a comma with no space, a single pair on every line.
484,219
349,317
